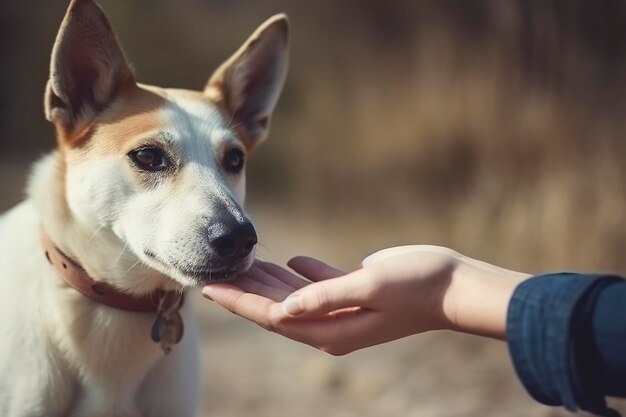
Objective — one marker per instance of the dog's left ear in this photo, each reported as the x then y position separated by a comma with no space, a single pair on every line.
249,82
87,69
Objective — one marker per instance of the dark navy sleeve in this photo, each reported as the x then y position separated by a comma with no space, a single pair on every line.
567,339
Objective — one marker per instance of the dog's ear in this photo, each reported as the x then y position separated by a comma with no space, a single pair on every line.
249,82
86,70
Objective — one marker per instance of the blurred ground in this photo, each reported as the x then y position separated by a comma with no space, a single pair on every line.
495,127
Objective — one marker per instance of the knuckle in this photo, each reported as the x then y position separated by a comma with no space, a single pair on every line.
273,324
320,300
269,326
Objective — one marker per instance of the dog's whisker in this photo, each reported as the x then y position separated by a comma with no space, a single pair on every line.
230,126
95,233
129,269
121,253
263,251
232,116
236,125
259,255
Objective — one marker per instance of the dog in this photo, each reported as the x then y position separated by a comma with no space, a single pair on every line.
140,202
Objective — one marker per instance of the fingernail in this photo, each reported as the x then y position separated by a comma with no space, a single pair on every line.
205,294
292,305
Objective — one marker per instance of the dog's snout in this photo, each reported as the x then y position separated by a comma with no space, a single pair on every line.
235,242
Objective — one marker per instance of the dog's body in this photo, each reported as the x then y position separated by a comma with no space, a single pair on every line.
144,192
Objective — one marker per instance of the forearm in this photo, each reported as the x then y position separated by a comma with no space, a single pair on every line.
565,332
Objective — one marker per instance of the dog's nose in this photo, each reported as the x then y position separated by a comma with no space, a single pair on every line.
236,242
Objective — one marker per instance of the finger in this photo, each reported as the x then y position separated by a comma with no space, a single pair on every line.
336,333
351,290
290,279
256,273
258,288
313,269
253,307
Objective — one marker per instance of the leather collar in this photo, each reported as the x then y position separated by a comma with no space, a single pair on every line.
76,277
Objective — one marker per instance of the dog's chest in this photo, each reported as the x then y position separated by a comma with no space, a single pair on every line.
109,350
120,368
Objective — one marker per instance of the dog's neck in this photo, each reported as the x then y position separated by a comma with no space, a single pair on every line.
102,254
76,277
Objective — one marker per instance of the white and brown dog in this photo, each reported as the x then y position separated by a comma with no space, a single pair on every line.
141,200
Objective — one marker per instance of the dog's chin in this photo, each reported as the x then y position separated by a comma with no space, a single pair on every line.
194,276
201,276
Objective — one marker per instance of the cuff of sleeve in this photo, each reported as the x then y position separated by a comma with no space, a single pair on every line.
540,338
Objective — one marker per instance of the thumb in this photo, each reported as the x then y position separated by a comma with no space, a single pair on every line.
322,297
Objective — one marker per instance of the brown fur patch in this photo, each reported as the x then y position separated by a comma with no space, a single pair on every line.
131,113
123,125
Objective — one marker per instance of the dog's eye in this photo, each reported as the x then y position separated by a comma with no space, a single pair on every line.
150,159
233,160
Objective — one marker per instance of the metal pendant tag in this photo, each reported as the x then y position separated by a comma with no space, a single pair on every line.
168,328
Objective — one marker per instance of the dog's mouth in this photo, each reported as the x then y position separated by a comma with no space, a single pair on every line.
205,274
209,275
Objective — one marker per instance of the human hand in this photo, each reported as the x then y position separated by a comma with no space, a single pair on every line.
397,292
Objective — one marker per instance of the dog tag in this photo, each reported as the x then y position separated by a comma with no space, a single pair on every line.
167,330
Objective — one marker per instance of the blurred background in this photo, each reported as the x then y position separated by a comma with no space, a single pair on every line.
495,127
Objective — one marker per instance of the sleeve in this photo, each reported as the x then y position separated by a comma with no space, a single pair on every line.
567,339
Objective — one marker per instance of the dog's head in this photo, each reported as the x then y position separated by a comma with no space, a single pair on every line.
162,169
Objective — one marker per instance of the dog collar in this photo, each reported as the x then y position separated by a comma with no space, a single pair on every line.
167,329
76,277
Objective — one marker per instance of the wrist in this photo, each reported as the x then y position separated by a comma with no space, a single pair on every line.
478,296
